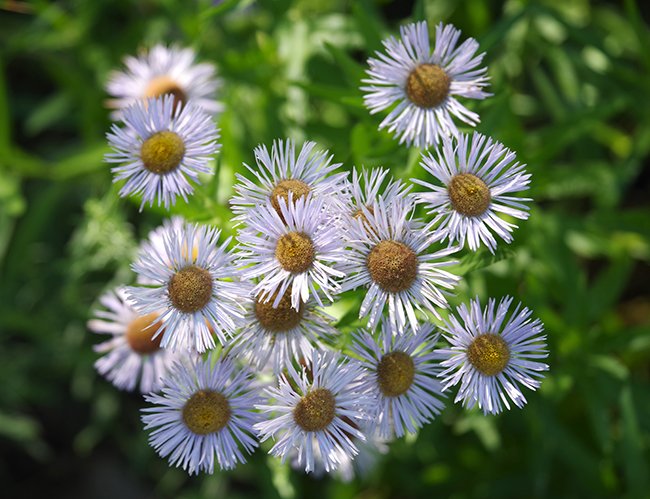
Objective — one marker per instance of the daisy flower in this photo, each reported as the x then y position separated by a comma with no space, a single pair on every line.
161,149
277,336
490,356
402,373
477,178
132,357
281,172
189,287
423,84
205,412
388,253
164,71
320,407
297,249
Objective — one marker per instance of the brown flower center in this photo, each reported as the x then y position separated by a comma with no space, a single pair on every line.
358,213
280,319
162,152
316,410
395,373
206,412
489,354
295,252
140,331
469,195
427,85
282,190
164,85
392,265
190,289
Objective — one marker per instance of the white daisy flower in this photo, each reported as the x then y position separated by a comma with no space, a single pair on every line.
490,356
189,287
478,177
161,149
424,83
402,373
164,71
281,172
321,407
277,336
206,411
133,356
388,253
297,249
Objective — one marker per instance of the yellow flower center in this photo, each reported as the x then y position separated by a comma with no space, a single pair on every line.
206,412
162,152
427,85
392,265
489,354
190,289
295,252
164,85
469,195
282,190
395,373
280,319
139,334
316,410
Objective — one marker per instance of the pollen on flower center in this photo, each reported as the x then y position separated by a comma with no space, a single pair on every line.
280,319
427,85
392,265
316,410
295,251
162,152
139,334
469,195
190,289
284,187
489,354
206,412
395,373
164,85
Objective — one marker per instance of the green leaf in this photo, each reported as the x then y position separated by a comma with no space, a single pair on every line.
635,465
19,427
87,161
5,123
481,259
351,69
48,113
608,286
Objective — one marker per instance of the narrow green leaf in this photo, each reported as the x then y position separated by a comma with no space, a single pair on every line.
352,70
480,259
87,161
607,289
5,124
636,467
369,23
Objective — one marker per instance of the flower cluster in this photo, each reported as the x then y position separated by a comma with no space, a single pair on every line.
209,322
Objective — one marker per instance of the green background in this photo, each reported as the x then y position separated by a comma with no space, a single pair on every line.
570,82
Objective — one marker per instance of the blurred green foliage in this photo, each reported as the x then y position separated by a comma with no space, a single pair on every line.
570,82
